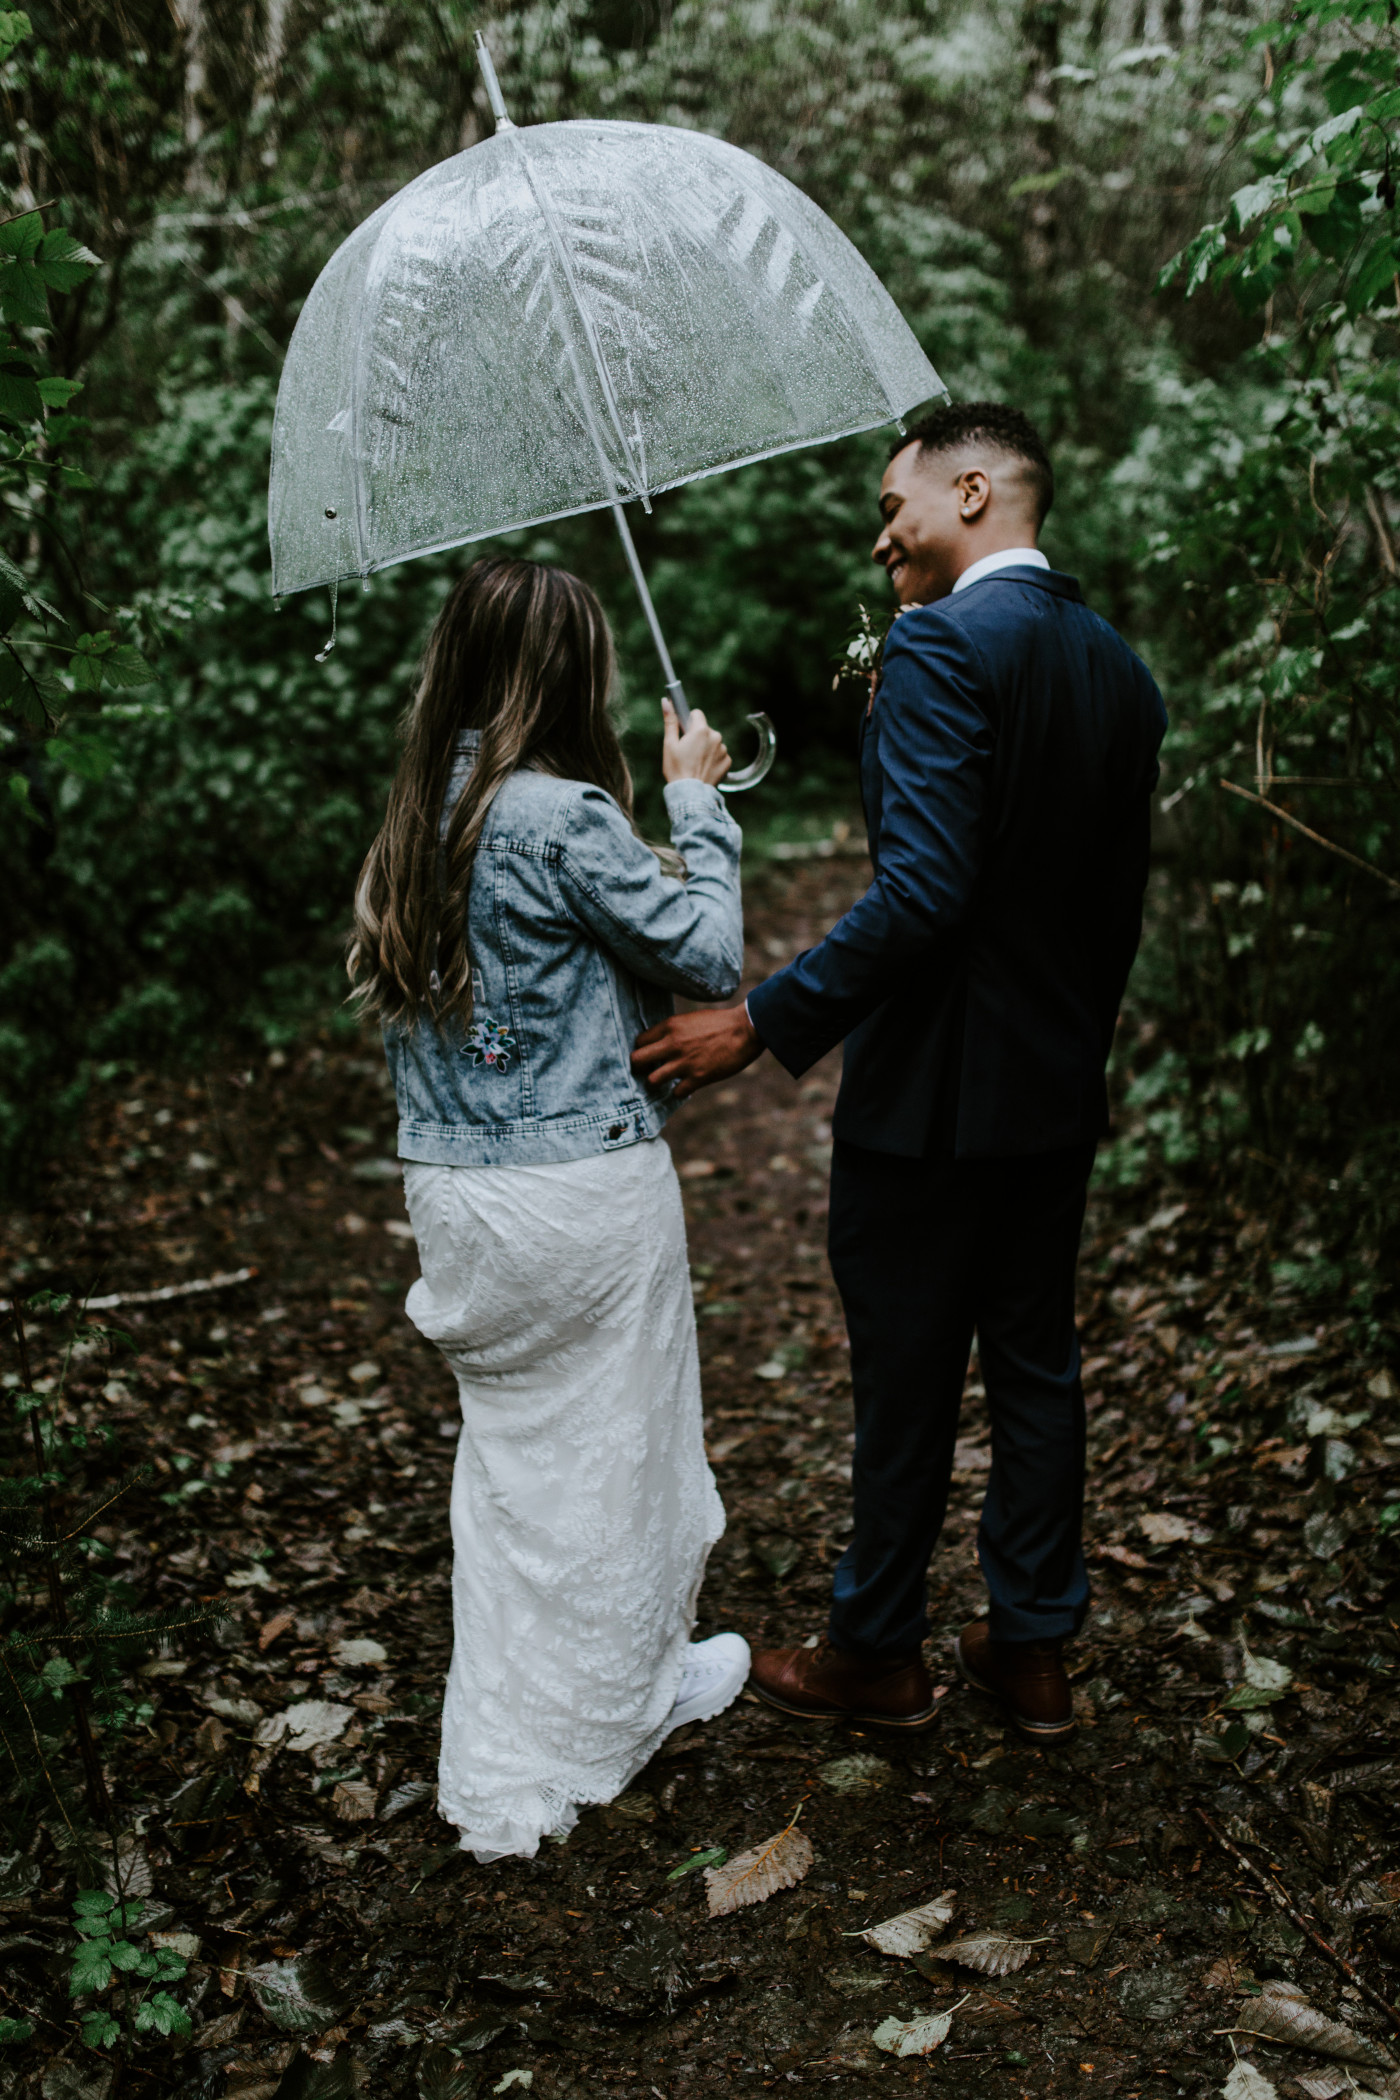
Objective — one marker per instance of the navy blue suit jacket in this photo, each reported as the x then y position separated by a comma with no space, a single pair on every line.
1007,769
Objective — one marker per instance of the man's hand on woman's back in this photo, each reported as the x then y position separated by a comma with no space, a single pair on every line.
695,1050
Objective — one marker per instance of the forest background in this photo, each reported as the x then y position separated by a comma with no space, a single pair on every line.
189,791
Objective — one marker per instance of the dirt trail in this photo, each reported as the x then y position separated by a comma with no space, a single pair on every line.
1240,1655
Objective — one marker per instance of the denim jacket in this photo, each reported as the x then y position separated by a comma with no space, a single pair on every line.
577,942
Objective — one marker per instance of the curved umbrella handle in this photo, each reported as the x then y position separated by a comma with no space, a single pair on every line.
750,776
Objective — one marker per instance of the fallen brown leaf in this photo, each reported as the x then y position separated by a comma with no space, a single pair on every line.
1282,2014
753,1876
912,1930
989,1953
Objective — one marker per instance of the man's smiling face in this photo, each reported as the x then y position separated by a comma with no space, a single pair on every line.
922,543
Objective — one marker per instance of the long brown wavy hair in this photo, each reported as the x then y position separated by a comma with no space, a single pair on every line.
522,652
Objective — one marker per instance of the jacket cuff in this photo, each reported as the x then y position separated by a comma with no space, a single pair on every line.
765,1009
693,798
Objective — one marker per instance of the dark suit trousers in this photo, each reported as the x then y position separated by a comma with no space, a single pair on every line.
927,1252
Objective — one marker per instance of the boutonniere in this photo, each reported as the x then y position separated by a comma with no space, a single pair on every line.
859,661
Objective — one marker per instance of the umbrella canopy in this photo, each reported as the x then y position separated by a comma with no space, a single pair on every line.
561,319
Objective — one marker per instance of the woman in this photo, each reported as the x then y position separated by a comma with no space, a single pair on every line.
515,934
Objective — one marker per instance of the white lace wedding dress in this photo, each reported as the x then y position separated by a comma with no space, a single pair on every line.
583,1510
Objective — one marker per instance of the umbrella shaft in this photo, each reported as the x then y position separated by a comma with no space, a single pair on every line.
675,690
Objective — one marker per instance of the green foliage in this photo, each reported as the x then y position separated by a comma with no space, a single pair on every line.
59,1672
104,1954
1267,504
185,853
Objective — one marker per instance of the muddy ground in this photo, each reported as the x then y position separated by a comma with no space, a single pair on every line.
1240,1655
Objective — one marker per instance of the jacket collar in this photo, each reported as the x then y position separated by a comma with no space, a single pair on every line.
1051,580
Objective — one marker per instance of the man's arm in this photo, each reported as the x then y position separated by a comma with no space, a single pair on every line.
1125,873
935,743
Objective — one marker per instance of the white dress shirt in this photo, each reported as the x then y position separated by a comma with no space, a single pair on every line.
1009,557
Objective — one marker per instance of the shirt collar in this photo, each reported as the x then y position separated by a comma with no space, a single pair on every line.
1008,558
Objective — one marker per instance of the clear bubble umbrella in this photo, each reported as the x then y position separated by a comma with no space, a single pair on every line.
567,318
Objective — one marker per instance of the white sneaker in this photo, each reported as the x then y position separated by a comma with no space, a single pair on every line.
715,1673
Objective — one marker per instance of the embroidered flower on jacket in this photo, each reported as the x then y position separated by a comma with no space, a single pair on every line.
489,1043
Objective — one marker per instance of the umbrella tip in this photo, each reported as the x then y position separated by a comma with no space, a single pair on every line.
493,86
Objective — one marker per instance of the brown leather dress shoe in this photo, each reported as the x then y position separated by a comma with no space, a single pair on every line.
1027,1676
825,1684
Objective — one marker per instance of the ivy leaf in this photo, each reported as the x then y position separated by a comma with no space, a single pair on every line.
161,2014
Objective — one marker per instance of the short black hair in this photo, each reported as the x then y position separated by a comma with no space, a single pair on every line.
993,423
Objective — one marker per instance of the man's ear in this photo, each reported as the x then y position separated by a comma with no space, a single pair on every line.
974,486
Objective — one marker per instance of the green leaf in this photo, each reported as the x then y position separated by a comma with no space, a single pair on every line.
126,666
1315,198
15,2030
15,26
29,597
1335,230
1255,198
62,262
169,1966
162,2015
100,2030
91,1970
87,756
715,1857
23,299
1249,1698
20,238
57,393
20,396
1203,254
1038,185
58,1672
76,478
128,1958
1385,108
1375,273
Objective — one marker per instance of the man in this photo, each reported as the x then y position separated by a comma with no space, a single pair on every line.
1008,757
